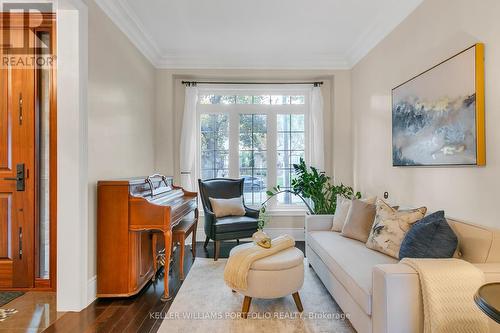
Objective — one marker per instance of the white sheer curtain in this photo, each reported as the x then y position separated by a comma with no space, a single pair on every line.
317,139
188,139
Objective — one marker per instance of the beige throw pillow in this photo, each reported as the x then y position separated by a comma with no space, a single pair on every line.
359,220
390,228
227,207
343,205
342,209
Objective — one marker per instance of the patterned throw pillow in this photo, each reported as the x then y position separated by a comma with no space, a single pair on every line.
431,237
390,228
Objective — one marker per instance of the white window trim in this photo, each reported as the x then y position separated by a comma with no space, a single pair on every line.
234,110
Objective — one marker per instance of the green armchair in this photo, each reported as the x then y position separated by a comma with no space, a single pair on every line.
228,227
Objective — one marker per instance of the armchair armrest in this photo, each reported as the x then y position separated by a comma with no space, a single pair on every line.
251,212
397,299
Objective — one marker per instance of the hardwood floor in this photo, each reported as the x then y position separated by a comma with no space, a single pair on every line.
136,314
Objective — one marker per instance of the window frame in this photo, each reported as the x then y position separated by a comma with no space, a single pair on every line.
271,111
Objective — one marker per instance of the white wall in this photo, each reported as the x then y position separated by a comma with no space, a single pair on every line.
336,93
72,223
433,32
121,99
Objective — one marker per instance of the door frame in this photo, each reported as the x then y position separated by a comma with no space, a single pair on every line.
49,24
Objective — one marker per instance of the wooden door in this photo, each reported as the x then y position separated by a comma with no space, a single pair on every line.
17,163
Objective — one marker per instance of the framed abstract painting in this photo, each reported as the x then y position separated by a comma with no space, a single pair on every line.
438,116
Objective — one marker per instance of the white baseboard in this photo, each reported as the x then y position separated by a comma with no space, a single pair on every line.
91,289
297,233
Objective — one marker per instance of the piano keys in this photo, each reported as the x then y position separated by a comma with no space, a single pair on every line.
129,211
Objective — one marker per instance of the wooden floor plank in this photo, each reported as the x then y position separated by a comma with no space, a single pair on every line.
132,314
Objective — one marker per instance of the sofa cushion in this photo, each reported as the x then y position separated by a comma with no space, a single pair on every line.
235,223
350,261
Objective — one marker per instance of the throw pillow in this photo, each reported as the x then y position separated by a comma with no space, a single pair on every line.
359,220
390,228
342,209
431,237
227,207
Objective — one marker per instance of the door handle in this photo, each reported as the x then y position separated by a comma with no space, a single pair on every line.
19,179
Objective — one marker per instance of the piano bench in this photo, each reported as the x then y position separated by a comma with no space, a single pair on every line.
179,234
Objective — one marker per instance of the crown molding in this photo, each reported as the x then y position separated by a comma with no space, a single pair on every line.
380,29
239,61
124,17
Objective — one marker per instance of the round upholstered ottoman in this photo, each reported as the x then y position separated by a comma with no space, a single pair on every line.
275,276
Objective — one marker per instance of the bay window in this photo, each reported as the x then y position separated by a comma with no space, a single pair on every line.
256,135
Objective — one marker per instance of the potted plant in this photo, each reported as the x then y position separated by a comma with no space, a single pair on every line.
314,187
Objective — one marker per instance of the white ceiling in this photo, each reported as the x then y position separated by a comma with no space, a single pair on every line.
333,34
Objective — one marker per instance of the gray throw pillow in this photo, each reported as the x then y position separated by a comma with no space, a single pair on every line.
359,220
431,237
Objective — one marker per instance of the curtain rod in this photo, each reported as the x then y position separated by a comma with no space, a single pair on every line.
194,83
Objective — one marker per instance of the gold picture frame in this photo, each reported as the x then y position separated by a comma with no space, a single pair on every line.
438,116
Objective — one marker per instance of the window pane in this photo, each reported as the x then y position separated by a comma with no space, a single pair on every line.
245,123
243,99
253,157
259,123
206,122
246,141
262,99
280,99
207,174
221,160
228,100
297,141
246,159
259,160
207,159
297,99
221,173
283,141
214,145
221,140
296,156
291,146
297,122
259,141
205,99
207,140
283,122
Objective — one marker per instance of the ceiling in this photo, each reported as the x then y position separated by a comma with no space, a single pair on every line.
312,34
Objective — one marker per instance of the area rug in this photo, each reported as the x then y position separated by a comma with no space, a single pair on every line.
205,304
7,296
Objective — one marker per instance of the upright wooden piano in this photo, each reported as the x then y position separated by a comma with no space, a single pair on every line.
128,212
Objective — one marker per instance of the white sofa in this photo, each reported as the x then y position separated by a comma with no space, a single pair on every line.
378,293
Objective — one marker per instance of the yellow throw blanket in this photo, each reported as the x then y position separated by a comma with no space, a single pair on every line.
448,287
239,263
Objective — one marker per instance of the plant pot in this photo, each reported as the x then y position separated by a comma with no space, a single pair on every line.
318,222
